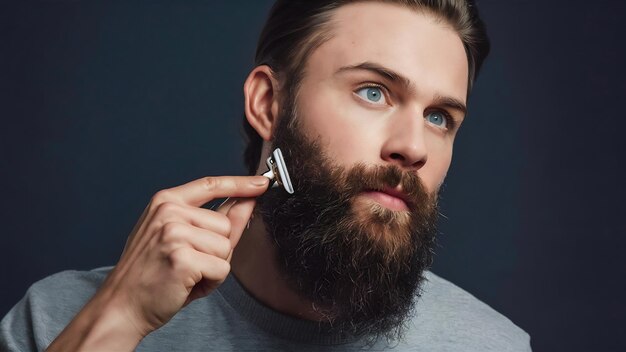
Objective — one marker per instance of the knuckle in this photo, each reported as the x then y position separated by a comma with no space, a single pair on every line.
166,207
179,260
223,247
165,249
223,222
210,183
162,196
222,268
170,232
166,213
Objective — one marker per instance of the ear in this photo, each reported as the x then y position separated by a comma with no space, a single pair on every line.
261,105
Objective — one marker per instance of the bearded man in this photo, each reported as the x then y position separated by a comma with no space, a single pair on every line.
364,98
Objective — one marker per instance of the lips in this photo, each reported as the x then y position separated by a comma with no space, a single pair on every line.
391,198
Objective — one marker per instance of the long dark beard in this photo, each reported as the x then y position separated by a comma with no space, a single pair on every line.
360,263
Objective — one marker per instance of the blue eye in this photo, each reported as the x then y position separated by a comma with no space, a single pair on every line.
437,118
373,94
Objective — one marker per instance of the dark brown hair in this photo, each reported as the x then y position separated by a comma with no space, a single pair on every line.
295,28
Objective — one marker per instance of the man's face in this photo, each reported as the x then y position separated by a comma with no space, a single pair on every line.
368,119
398,125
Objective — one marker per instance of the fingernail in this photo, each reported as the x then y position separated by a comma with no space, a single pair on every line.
259,181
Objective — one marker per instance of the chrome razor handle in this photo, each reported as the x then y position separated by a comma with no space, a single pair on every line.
278,171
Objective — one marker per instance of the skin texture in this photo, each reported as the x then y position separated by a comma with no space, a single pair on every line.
427,53
179,252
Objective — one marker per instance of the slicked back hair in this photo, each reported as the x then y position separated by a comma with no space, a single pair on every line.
295,28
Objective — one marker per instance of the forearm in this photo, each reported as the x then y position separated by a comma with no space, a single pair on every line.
99,326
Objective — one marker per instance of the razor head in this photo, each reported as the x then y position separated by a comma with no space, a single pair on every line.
278,171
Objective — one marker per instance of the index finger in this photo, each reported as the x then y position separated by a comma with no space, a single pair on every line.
201,191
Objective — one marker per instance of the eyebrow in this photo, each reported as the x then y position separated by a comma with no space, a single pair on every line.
395,77
451,103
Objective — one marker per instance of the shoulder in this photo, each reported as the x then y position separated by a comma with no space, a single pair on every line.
47,307
63,294
71,279
459,319
65,291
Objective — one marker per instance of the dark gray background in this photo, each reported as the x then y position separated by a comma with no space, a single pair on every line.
104,104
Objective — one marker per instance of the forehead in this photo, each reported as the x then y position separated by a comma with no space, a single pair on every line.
412,43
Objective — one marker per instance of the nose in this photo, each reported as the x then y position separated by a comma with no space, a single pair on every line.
405,145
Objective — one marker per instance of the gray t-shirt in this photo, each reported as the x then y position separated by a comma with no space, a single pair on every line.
229,319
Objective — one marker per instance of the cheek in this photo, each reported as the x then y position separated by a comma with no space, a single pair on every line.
348,132
438,163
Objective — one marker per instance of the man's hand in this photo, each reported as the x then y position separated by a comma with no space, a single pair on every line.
177,252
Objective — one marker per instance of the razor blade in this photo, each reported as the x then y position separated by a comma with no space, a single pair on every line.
278,171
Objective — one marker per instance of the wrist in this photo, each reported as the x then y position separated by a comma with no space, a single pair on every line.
102,325
113,328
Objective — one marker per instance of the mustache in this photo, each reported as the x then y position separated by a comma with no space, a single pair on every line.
362,177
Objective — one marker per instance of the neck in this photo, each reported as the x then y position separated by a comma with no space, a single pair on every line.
255,267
